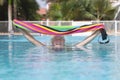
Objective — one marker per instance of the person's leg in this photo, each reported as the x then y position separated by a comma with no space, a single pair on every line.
88,39
31,38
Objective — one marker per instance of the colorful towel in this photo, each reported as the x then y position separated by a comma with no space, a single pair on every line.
56,30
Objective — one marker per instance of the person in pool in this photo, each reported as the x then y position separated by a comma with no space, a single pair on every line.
58,42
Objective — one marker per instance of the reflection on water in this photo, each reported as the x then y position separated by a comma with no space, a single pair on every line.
23,61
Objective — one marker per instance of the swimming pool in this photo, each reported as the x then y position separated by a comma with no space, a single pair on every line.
20,60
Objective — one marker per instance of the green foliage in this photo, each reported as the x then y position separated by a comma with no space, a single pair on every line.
55,12
82,10
103,10
4,11
1,2
26,9
61,10
22,9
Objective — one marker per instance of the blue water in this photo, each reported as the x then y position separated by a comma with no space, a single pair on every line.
20,60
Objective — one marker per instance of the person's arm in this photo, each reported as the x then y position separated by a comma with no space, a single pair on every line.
88,39
31,38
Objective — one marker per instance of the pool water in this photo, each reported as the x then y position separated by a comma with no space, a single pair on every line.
20,60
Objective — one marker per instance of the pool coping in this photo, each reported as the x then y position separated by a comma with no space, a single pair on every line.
77,34
18,34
